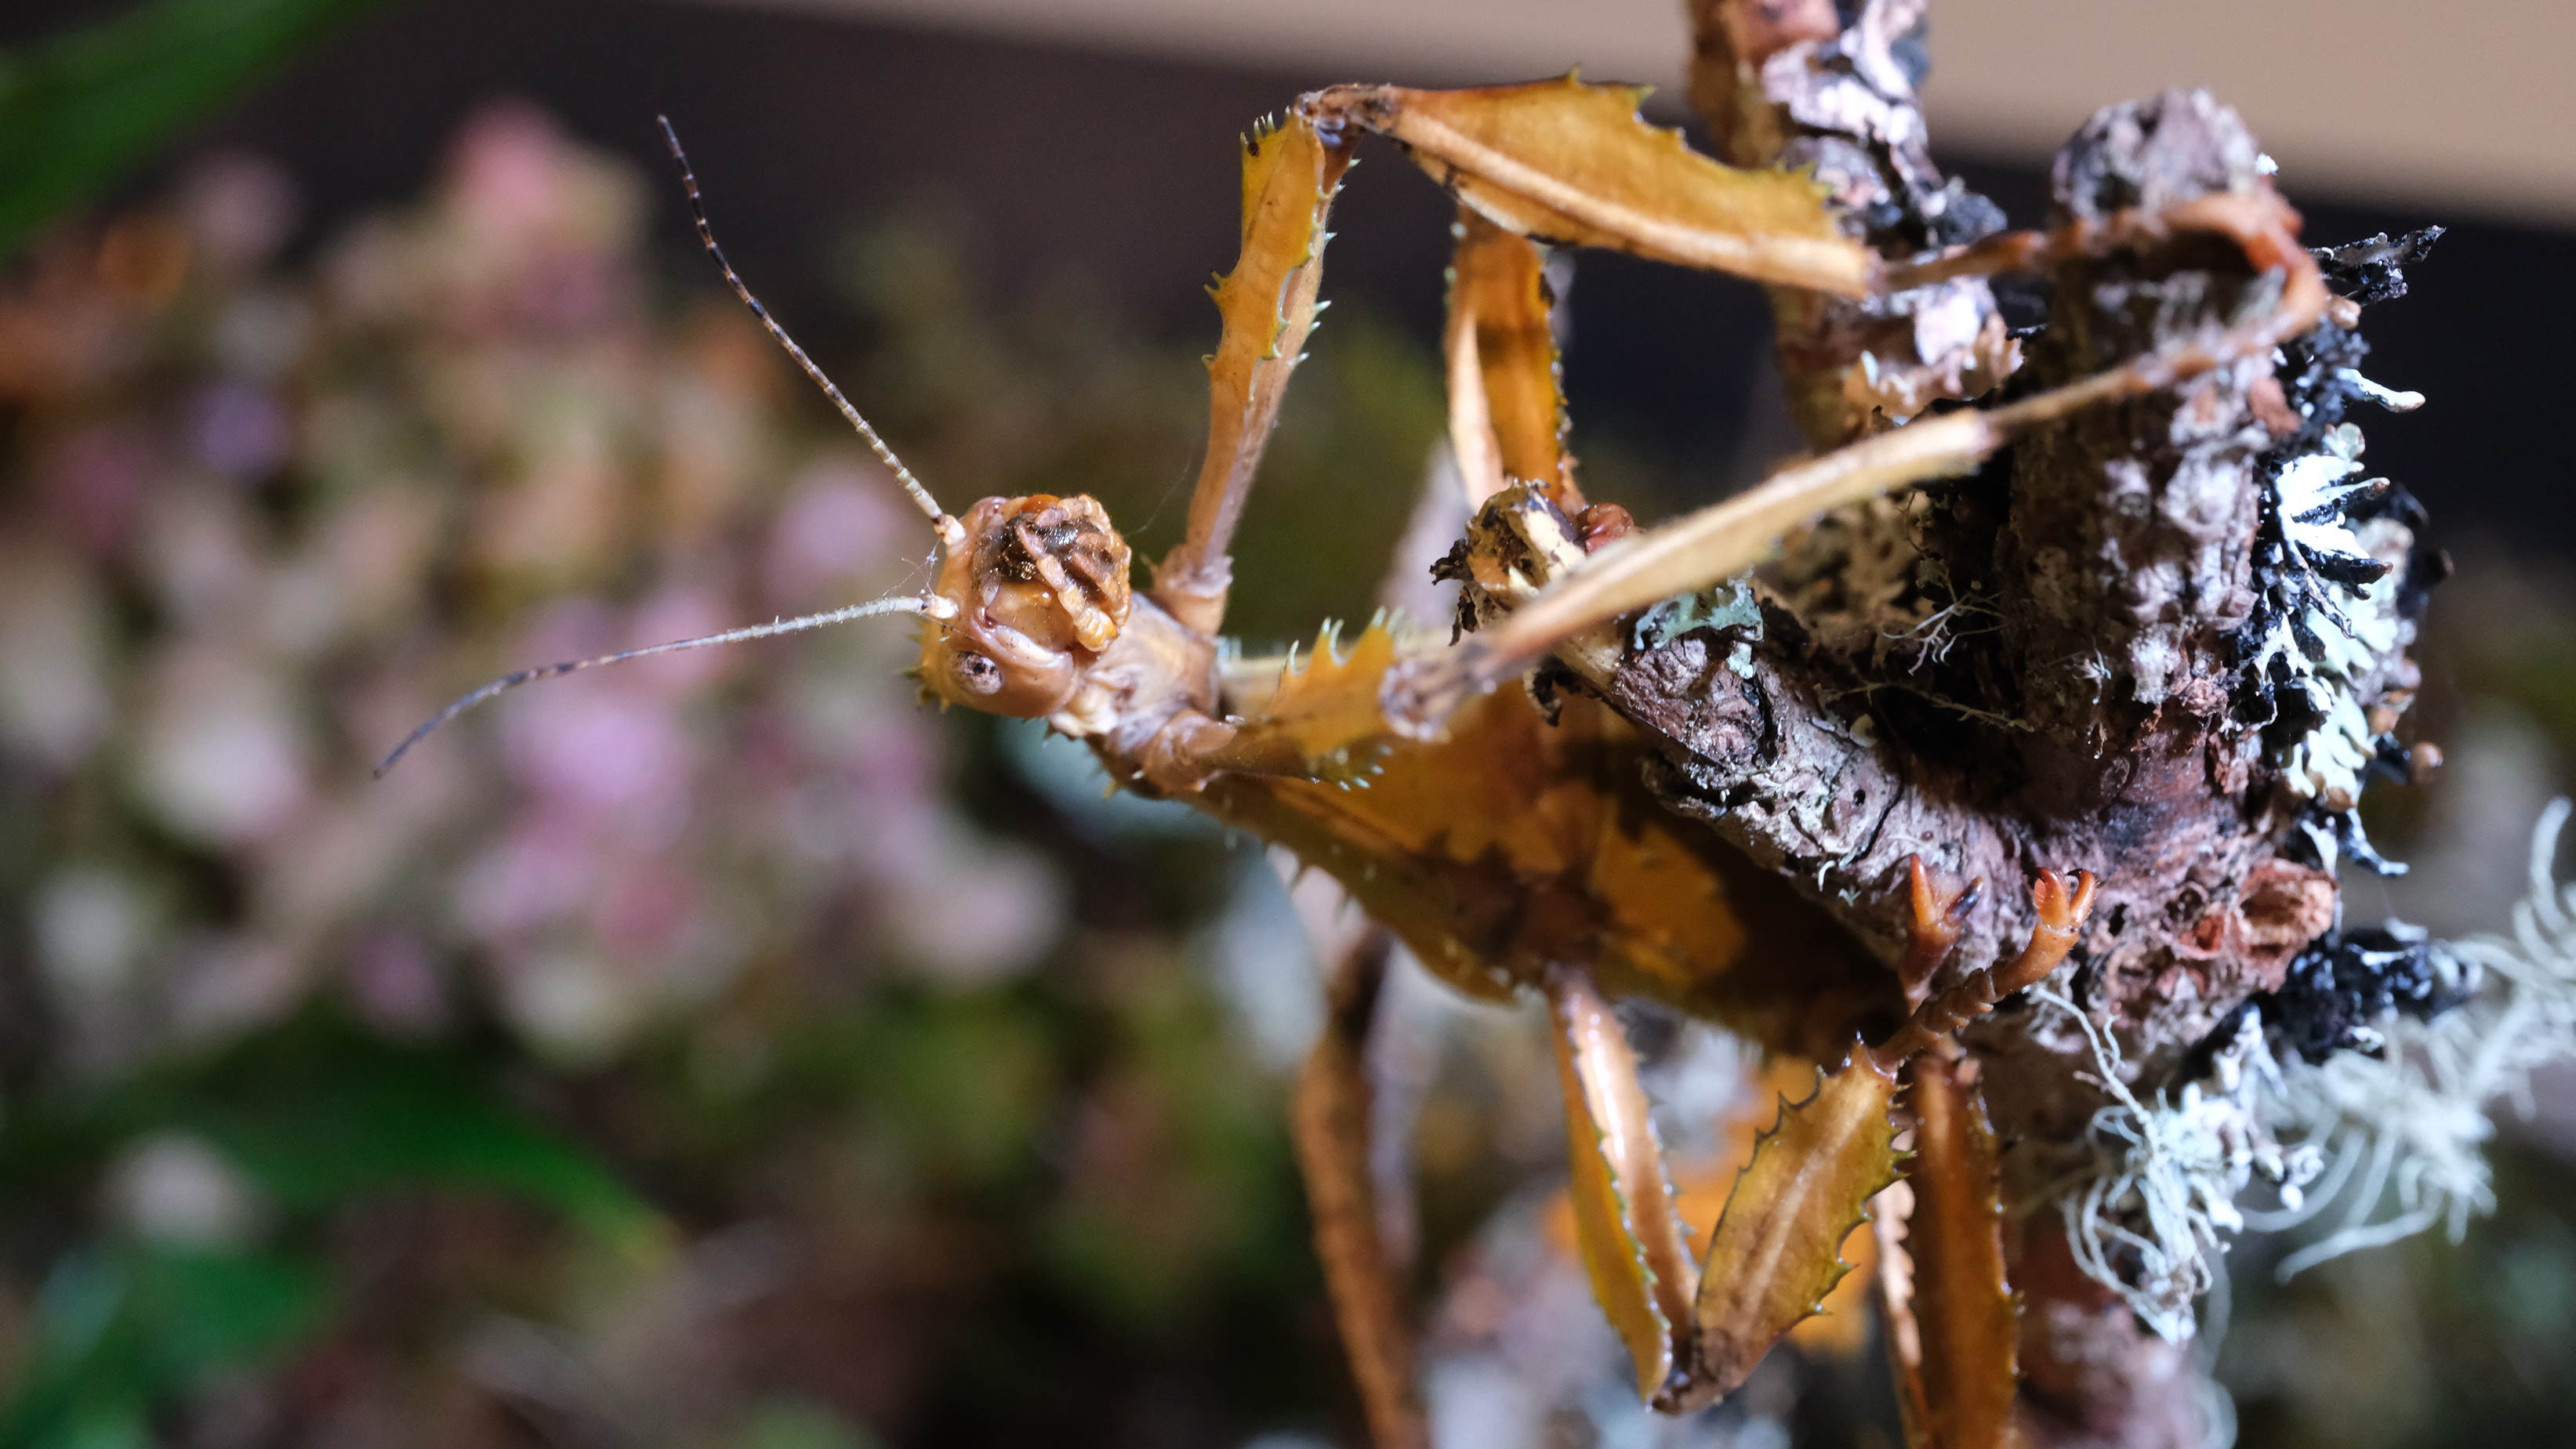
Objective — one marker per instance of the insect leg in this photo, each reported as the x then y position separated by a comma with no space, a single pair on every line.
1933,927
1725,539
2061,914
1506,404
1777,1249
1268,302
1956,1370
1332,1131
1574,163
1634,1244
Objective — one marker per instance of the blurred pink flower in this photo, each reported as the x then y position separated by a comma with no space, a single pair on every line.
542,871
239,209
94,483
646,909
223,756
54,700
546,227
843,520
239,431
394,982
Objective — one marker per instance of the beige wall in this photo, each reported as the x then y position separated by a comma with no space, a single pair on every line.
2463,106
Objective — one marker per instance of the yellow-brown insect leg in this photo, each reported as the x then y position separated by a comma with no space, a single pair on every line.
1575,163
1634,1244
2062,914
1932,928
1332,1131
1506,404
1777,1250
1269,304
1956,1370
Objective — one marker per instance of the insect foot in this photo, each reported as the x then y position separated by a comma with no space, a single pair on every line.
2062,914
1933,928
1040,586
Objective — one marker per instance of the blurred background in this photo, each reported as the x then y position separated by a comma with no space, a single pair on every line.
724,1051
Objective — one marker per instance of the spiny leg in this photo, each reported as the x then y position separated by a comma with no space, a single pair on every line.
1635,1246
1269,305
1777,1249
1332,1130
1957,1325
1574,163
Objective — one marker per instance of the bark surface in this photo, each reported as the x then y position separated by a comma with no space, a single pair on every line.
2163,642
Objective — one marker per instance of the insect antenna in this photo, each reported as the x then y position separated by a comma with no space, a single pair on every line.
927,606
949,531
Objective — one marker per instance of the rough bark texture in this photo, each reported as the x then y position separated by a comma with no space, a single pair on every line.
2103,651
1785,83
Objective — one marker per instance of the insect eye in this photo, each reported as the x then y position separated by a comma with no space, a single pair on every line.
979,674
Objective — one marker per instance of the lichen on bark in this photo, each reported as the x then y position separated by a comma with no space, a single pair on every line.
2164,641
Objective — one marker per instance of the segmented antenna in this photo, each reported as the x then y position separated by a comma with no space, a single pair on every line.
948,528
927,606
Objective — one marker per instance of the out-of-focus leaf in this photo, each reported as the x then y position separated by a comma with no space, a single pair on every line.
1506,405
115,1330
316,1112
1960,1394
1570,162
1631,1237
1268,302
1777,1249
77,110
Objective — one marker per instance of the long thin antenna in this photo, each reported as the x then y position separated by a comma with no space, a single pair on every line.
949,531
928,607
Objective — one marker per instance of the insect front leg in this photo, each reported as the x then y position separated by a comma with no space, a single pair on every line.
2062,913
1574,163
1269,303
1506,407
1932,927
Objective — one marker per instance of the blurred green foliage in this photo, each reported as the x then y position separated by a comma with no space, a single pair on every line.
81,109
120,1328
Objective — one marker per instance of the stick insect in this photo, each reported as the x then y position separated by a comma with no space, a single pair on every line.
1509,847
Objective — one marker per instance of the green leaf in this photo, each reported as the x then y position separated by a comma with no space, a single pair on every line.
118,1329
316,1112
79,109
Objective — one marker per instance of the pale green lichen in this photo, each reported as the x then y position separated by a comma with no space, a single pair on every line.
2408,1122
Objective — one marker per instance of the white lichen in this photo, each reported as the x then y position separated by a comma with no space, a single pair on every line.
2151,1205
2408,1121
2149,1211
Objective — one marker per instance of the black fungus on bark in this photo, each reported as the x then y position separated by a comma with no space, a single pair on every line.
2347,981
2320,379
2374,269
